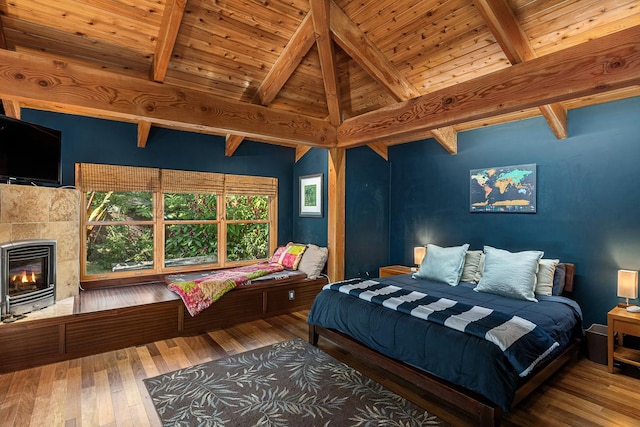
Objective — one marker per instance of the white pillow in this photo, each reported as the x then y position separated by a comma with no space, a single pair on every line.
443,264
510,274
313,260
473,264
544,280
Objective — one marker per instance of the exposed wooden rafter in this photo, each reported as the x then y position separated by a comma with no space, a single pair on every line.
356,44
604,64
380,148
3,39
513,41
171,19
205,62
301,150
232,142
79,89
11,108
144,127
289,59
320,12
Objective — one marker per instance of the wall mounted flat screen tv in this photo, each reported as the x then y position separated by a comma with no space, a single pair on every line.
29,154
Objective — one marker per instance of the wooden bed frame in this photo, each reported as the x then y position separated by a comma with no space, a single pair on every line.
481,409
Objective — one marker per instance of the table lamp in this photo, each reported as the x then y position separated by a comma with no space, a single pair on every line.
627,286
418,255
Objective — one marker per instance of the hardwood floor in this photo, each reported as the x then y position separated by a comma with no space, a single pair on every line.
107,389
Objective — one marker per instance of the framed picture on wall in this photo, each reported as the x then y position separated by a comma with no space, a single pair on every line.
311,195
503,189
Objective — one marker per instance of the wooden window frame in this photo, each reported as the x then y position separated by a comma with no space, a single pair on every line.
159,182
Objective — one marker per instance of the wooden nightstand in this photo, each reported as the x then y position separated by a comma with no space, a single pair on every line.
620,321
394,270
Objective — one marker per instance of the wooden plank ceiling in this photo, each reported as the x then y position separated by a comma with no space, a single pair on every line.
318,73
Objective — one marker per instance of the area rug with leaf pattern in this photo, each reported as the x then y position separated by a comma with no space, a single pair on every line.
291,383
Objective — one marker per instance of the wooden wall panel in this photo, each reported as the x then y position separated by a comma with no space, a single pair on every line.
120,328
22,345
233,307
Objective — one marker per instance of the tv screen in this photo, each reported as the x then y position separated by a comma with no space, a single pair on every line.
29,153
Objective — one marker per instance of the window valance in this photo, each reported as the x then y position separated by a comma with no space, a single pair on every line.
99,177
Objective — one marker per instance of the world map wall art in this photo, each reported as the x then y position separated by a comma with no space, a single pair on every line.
503,189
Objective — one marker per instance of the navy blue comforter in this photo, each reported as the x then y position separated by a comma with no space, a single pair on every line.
460,358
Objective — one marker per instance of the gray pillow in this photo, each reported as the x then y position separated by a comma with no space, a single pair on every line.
472,270
443,264
313,260
510,274
559,276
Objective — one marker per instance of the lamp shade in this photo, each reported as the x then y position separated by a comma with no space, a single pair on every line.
418,254
627,284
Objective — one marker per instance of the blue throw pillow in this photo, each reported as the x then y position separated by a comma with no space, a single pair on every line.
510,274
443,264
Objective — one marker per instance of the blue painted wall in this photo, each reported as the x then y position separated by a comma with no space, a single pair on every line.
367,213
89,140
588,196
367,209
588,189
311,229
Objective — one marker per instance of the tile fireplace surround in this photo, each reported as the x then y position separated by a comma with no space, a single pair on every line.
30,212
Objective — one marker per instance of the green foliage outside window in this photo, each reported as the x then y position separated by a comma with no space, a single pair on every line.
111,246
189,206
247,208
247,241
191,244
114,247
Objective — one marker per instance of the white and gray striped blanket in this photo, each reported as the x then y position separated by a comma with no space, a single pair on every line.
522,342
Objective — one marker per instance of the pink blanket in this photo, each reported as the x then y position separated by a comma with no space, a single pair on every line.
201,293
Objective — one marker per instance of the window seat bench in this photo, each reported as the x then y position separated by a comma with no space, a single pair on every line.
107,319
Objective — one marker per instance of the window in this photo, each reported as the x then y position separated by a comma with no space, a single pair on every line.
119,231
144,221
190,229
247,227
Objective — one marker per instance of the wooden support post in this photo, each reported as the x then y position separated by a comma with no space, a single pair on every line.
336,213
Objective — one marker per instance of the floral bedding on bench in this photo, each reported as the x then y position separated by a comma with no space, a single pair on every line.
200,293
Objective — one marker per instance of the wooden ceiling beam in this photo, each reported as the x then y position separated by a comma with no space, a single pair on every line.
11,108
29,78
289,59
3,38
320,12
505,27
301,150
380,148
144,127
447,137
231,144
366,54
597,66
167,35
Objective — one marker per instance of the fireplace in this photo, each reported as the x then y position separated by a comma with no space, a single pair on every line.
27,276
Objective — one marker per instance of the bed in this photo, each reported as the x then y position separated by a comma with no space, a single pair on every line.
470,372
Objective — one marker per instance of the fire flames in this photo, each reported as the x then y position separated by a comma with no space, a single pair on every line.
25,277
